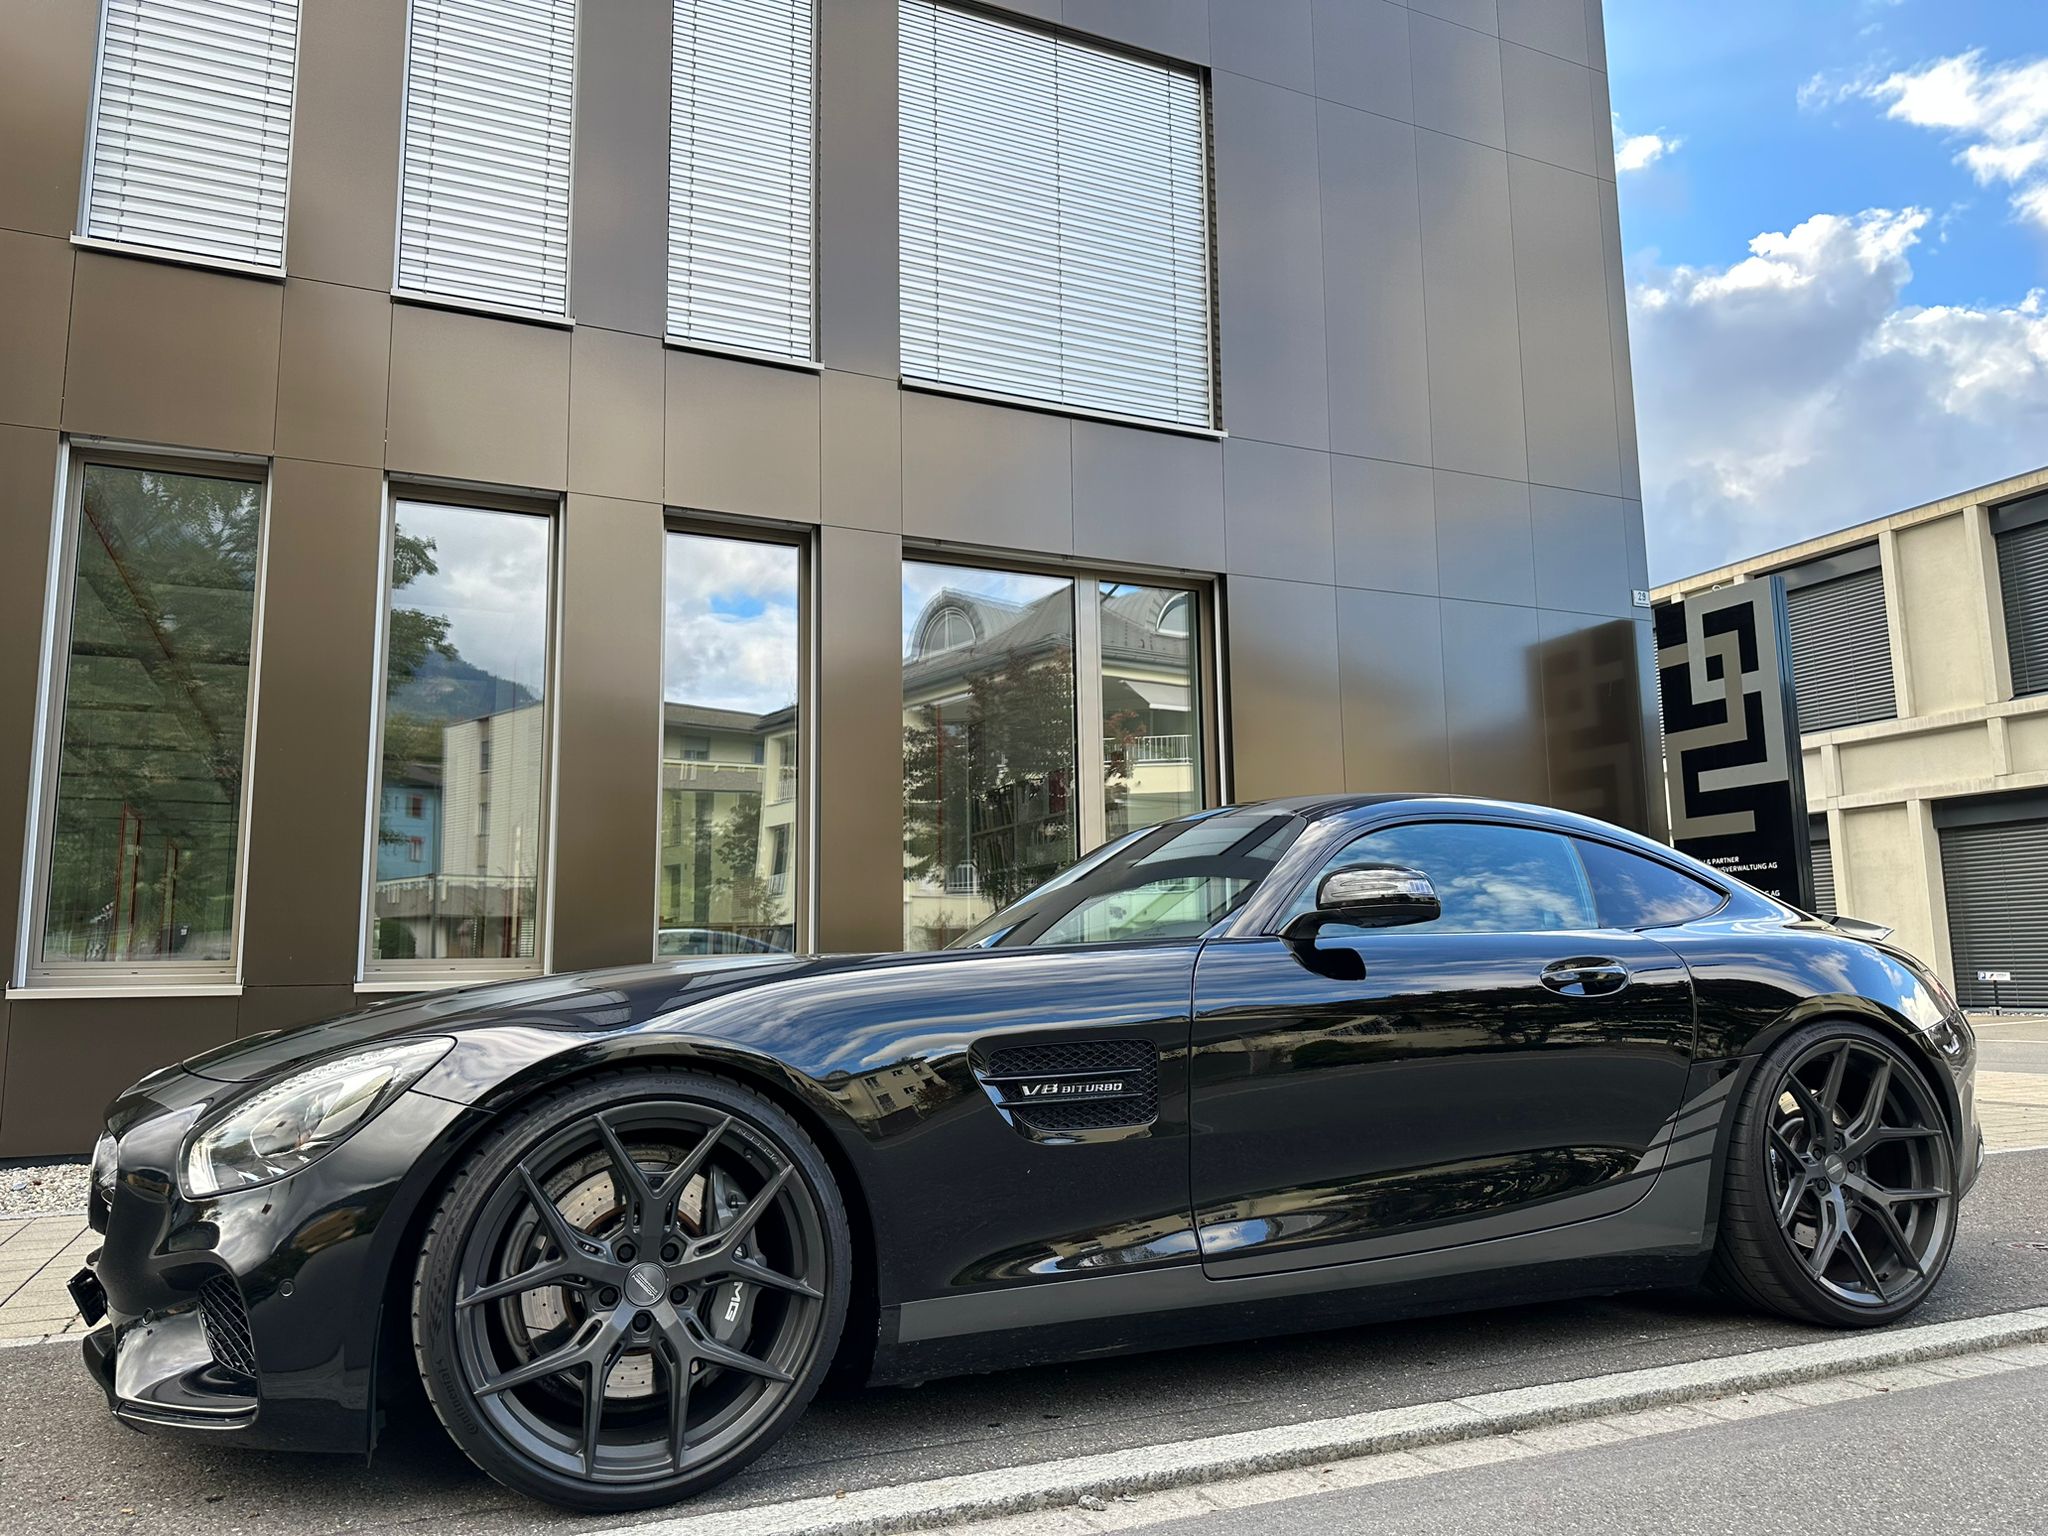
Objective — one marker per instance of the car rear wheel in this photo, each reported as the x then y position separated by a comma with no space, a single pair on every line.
1839,1203
631,1290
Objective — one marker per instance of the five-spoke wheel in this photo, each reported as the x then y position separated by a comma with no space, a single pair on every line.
1841,1188
632,1290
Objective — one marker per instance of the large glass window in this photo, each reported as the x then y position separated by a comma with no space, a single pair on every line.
728,874
141,845
1151,730
999,668
483,206
1054,217
192,128
461,832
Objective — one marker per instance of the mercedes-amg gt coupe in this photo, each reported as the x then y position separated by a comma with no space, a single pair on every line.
1295,1065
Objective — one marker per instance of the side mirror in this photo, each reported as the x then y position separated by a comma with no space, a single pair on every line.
1370,896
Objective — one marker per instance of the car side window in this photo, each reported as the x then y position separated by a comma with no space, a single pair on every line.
1490,879
1630,891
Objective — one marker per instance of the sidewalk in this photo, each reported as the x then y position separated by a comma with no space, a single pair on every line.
37,1255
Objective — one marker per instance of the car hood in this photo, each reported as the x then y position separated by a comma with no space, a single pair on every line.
579,1002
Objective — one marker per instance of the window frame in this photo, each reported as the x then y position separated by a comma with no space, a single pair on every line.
434,298
373,974
81,232
31,975
803,854
1206,634
812,360
1213,427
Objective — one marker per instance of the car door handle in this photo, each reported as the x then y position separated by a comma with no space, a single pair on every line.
1585,978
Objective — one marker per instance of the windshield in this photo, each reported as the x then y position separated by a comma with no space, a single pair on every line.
1175,881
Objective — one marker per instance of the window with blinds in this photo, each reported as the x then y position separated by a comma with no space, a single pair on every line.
483,212
192,127
739,176
1841,652
2023,584
1055,218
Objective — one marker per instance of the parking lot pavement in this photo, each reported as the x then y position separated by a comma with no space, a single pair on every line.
68,1468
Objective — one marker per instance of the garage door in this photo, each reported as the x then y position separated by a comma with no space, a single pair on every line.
1997,879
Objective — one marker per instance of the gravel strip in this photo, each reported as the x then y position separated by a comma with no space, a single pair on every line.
43,1189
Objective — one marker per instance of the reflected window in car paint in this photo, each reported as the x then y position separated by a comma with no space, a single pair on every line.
1490,878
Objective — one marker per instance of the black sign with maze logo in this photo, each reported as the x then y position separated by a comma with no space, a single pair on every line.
1731,736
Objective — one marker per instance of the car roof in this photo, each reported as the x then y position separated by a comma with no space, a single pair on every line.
1317,807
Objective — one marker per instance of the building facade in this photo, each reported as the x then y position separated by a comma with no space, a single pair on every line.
1920,664
519,485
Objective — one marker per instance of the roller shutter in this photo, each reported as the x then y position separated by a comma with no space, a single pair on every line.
1823,870
1054,218
483,211
2023,581
192,127
739,207
1841,652
1997,883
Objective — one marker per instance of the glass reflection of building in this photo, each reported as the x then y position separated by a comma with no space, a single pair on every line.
725,866
995,676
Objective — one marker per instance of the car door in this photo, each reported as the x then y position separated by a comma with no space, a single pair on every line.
1504,1068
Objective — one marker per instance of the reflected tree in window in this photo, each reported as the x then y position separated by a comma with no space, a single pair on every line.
988,744
143,844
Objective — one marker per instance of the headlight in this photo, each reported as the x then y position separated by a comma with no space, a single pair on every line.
301,1119
106,1166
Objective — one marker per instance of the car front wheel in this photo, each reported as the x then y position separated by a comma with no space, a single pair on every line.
631,1290
1840,1197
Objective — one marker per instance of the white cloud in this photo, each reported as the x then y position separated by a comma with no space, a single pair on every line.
1640,151
1795,391
2000,111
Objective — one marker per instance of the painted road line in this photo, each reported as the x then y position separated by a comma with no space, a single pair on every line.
1423,1427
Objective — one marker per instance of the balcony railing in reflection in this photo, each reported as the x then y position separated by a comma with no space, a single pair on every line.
778,784
1153,749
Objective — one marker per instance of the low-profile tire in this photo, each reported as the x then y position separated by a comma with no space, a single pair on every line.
673,1245
1839,1202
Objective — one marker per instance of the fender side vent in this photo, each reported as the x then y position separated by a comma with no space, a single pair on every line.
1075,1087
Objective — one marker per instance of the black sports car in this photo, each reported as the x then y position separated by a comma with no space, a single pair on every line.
1281,1066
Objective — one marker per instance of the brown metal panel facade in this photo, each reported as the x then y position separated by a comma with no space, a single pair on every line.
1365,619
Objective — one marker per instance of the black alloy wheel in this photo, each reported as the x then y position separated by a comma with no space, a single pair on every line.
631,1290
1841,1203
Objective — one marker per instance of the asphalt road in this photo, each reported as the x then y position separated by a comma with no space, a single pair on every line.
1958,1459
2019,1045
66,1467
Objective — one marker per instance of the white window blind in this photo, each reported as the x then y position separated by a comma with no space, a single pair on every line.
192,127
484,206
739,172
1055,218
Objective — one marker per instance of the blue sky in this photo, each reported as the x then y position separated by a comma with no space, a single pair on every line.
1836,234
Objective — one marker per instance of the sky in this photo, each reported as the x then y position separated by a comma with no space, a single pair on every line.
1835,229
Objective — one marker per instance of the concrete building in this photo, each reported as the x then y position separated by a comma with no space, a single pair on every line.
368,477
1920,662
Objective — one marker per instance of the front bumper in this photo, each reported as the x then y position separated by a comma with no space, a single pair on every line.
255,1313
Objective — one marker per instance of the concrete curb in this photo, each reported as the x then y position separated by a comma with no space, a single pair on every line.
1014,1490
